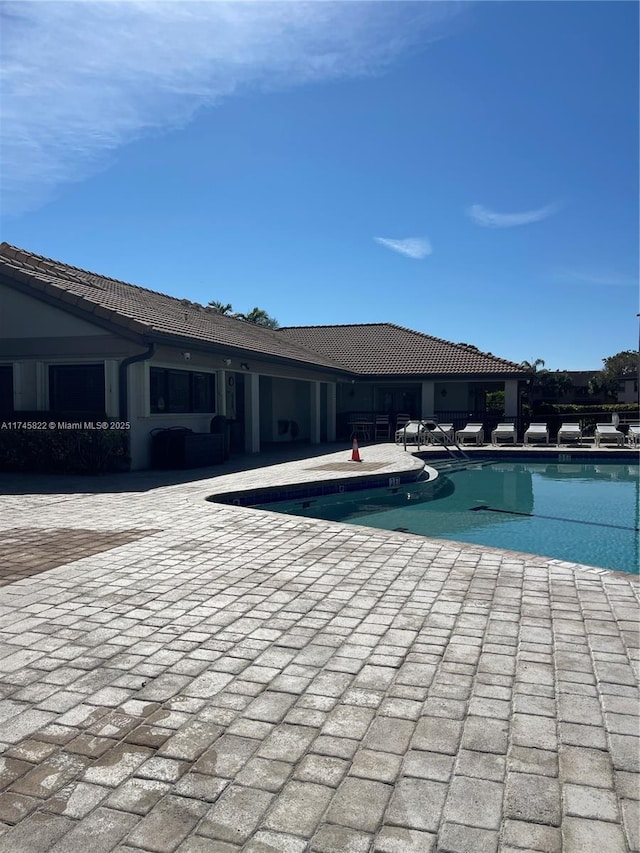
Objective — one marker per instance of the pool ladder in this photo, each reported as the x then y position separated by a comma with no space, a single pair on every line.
432,425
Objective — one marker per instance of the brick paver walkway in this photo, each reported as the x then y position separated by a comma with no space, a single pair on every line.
228,679
25,552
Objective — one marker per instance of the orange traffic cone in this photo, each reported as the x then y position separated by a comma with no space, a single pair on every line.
355,453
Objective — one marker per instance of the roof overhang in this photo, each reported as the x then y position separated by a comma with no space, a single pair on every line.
138,333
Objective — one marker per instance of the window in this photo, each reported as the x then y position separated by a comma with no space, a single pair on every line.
182,391
76,387
6,388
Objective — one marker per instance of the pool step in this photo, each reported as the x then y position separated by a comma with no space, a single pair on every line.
450,466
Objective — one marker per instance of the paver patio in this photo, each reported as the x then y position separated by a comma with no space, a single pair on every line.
207,678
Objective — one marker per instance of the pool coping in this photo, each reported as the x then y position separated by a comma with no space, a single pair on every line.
406,649
602,454
319,488
400,474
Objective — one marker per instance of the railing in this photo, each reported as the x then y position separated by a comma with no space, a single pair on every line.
491,418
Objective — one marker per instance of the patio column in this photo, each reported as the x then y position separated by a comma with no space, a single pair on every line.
111,386
42,400
511,398
314,399
20,398
221,392
427,405
331,411
252,412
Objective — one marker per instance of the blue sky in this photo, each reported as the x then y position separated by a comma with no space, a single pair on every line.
469,170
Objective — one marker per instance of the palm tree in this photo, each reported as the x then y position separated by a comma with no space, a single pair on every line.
532,366
221,307
259,317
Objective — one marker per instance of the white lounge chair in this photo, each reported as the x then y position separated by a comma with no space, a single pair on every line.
504,431
537,432
471,431
441,434
413,432
608,433
569,432
382,428
633,436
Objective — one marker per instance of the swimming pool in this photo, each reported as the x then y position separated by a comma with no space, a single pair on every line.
575,511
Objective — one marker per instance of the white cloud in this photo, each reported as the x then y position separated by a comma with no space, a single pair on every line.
490,219
597,279
412,247
81,79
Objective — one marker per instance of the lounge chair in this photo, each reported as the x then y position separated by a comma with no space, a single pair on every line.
608,433
633,436
441,434
382,428
537,432
471,431
413,432
569,432
504,431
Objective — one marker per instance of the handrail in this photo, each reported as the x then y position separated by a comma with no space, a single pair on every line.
421,424
432,425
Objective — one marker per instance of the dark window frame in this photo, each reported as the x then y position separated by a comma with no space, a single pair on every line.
186,392
79,387
7,388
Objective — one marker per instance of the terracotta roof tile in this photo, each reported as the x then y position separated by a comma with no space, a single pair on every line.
148,312
375,349
379,349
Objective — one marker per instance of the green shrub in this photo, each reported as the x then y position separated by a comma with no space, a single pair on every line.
630,410
64,451
587,416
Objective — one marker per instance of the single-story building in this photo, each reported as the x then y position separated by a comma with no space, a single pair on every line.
82,347
398,370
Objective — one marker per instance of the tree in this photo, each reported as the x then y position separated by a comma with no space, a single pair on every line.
259,317
622,365
554,383
548,383
532,366
221,307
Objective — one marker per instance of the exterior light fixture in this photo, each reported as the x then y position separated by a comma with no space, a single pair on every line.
244,365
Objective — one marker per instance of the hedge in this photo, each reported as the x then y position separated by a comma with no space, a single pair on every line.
630,409
64,451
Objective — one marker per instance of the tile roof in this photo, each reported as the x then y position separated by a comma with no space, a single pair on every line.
384,349
149,313
374,349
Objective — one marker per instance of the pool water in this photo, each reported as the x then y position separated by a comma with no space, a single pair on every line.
585,513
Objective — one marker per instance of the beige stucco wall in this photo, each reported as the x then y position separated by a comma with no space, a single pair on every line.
34,335
455,398
284,400
22,316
